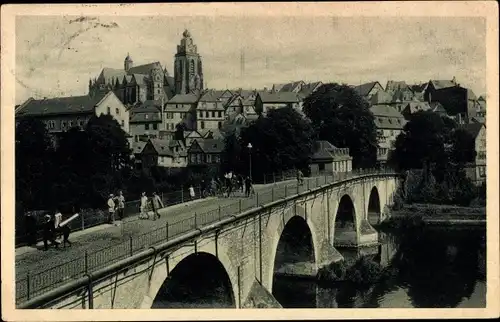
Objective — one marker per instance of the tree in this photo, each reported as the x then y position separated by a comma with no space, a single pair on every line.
283,140
342,117
463,147
34,153
425,142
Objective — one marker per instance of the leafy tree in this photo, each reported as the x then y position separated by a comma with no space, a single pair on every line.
342,117
34,152
283,140
463,148
232,155
425,142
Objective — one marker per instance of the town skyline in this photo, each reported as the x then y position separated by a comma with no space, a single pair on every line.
345,50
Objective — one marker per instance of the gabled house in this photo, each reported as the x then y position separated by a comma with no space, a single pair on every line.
268,101
389,123
145,121
210,110
180,109
205,151
367,90
293,87
308,89
328,158
381,97
476,170
163,153
414,107
59,114
436,107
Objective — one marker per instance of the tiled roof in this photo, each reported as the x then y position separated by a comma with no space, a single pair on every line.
280,97
385,110
211,145
290,86
417,106
144,69
190,98
140,79
440,84
364,89
307,89
211,96
324,150
165,147
108,75
392,123
137,147
278,87
145,117
472,128
381,97
61,105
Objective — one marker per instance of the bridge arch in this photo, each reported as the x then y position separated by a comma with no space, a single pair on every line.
294,242
198,280
374,208
345,230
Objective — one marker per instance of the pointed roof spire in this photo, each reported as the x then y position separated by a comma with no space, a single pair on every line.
186,34
128,58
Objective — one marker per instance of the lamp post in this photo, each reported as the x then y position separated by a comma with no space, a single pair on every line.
249,146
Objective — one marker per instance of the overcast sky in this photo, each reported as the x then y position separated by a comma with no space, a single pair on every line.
56,56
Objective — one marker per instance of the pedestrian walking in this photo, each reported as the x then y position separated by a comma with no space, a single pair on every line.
30,224
111,209
157,204
48,233
248,186
191,192
57,222
66,230
120,205
143,208
203,187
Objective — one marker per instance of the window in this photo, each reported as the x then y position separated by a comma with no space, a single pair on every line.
321,166
146,126
201,114
213,113
123,123
109,110
117,110
219,124
202,125
63,124
206,114
219,114
155,126
70,124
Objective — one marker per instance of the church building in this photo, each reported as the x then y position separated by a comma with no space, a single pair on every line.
136,84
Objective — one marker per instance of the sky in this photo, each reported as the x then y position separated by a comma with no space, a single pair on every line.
57,55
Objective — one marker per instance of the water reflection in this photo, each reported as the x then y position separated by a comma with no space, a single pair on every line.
423,268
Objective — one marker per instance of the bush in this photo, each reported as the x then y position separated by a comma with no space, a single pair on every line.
364,272
332,273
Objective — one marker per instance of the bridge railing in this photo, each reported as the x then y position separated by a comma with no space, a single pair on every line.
35,284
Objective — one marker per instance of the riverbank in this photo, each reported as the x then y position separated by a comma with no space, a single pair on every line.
434,214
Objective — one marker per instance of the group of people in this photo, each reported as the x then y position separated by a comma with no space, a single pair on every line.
153,203
52,229
116,204
227,185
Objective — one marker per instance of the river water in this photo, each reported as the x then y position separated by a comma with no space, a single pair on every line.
424,267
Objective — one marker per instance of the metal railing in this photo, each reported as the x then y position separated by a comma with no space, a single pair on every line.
35,284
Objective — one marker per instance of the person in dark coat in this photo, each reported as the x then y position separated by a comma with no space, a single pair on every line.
30,229
49,232
66,230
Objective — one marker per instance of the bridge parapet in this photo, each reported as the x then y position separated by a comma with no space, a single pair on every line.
128,253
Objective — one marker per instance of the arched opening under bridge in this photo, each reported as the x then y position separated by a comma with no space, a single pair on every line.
294,261
374,210
199,280
345,232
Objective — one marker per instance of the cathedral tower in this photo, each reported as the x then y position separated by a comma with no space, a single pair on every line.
188,73
128,63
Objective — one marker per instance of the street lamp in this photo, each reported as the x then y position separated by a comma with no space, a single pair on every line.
249,146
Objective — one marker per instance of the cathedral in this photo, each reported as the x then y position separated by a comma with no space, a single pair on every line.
137,84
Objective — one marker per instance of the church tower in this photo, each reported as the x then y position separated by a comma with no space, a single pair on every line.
157,76
128,63
188,73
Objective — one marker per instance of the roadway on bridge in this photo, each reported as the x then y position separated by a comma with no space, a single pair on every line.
96,240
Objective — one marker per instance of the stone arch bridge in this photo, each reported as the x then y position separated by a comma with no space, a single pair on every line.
233,263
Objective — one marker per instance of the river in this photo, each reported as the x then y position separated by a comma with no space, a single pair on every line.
424,267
